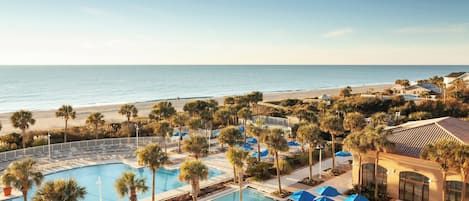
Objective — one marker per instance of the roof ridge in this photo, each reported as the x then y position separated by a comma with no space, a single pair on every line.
421,123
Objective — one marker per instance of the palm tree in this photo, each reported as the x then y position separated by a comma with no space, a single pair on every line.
128,111
223,116
95,119
356,143
377,139
153,157
231,136
379,119
196,145
194,124
354,121
334,126
461,161
22,119
162,129
237,158
129,184
257,131
60,190
192,171
162,111
276,143
22,175
179,120
67,113
440,152
309,133
245,114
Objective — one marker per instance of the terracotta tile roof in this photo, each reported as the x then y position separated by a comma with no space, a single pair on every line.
455,74
410,138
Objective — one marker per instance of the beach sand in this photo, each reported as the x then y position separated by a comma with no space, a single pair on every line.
46,119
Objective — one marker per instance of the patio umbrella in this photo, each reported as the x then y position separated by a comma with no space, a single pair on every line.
177,134
251,140
302,196
342,154
216,133
327,191
241,129
247,147
293,144
356,197
322,198
263,153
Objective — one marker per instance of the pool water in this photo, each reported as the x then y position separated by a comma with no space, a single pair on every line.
248,194
87,176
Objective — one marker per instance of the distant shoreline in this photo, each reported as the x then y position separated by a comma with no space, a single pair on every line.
45,119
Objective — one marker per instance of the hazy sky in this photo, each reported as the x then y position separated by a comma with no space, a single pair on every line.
234,32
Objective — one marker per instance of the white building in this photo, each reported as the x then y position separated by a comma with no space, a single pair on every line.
448,79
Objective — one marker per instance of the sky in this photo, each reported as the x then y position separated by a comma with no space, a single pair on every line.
43,32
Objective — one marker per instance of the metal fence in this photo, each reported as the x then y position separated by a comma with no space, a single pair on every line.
268,120
80,148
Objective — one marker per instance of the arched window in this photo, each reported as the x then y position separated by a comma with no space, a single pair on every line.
413,187
454,190
368,172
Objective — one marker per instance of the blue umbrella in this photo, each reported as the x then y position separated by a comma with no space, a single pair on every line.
263,153
322,198
342,154
216,133
302,196
356,197
247,147
293,144
327,191
241,129
251,140
177,134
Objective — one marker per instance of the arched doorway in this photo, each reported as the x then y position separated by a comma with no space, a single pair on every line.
413,186
454,191
368,180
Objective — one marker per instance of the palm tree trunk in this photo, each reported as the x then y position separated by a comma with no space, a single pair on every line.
25,195
310,161
240,185
194,189
258,150
234,174
333,151
65,130
376,175
303,147
24,140
153,186
180,139
133,194
360,173
443,192
164,144
278,173
464,180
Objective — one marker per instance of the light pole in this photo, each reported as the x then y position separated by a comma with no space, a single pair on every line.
99,188
48,143
136,126
319,147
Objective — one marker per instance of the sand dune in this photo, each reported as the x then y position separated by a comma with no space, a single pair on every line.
46,119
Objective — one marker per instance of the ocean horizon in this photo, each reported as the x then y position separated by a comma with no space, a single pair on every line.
50,86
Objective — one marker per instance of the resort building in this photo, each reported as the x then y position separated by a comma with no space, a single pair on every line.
417,89
448,79
403,175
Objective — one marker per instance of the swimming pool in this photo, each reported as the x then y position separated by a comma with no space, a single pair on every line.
248,194
87,176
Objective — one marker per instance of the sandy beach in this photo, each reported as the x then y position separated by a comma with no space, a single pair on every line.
46,119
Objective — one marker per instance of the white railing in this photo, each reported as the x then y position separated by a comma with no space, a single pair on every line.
99,146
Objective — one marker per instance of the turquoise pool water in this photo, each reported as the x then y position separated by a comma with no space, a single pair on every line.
87,176
248,194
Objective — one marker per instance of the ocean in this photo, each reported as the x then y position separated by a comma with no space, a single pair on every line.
48,87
